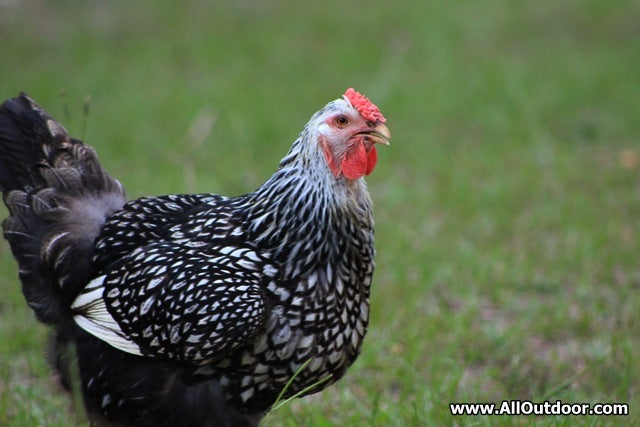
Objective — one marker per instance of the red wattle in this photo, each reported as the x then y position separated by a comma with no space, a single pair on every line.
372,160
357,162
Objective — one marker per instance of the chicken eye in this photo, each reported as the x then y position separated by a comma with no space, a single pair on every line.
342,121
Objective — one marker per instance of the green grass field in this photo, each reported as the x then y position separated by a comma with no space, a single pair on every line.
507,207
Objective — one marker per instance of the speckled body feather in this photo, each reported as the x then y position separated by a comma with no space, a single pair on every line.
186,309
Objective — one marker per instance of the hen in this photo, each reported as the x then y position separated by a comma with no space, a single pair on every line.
194,310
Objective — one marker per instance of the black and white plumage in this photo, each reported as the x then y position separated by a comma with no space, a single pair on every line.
194,310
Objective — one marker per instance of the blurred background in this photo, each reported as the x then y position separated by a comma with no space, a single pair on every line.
507,207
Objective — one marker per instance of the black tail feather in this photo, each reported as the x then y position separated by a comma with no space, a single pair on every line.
21,129
58,196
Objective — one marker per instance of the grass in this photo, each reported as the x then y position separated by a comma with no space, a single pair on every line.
507,207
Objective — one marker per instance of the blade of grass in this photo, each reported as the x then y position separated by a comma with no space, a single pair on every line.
281,402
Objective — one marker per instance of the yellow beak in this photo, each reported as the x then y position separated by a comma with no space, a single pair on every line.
380,134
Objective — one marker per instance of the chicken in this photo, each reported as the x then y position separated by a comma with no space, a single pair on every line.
194,310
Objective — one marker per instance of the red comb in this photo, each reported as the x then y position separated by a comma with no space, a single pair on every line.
367,109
